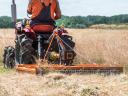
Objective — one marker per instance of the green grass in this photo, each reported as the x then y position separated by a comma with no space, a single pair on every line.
4,70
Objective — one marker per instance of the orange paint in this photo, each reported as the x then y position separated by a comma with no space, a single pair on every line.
32,68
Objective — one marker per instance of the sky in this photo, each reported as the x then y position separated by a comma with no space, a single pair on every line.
73,7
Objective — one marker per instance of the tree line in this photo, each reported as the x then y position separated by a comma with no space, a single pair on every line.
84,22
5,22
76,21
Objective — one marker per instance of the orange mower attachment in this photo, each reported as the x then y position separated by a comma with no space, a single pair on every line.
80,68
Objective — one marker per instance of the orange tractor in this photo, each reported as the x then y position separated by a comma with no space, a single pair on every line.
42,47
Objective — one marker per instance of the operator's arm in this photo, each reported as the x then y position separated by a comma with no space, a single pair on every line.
57,11
29,10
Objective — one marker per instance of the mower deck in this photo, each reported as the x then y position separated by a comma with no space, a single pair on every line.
80,68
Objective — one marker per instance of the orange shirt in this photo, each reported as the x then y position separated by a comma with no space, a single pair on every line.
35,7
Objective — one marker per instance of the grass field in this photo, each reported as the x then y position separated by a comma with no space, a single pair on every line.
7,37
55,84
101,46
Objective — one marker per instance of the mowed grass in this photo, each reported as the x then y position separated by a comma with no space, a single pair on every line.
56,84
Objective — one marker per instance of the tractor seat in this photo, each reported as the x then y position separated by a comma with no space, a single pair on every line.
42,28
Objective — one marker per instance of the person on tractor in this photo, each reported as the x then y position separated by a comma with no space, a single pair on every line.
43,14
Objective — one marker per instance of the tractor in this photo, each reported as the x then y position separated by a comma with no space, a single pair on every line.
41,47
39,42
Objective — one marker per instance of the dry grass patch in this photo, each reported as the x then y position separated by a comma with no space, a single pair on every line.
109,26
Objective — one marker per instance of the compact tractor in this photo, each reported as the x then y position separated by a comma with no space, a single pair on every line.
42,47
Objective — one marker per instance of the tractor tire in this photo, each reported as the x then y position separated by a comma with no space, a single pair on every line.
9,57
25,51
27,58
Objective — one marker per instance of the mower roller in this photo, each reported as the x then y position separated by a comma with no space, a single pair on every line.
43,48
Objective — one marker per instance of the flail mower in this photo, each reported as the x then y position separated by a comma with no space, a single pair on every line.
42,48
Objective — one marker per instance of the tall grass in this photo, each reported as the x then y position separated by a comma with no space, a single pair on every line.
7,37
101,46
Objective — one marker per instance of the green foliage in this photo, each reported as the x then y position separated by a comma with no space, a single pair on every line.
73,22
84,22
3,70
76,21
5,22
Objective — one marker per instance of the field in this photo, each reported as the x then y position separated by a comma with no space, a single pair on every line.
110,26
7,38
101,46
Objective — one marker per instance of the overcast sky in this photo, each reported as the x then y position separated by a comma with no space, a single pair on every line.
74,7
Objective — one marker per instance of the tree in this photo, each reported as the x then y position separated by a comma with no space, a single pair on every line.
75,21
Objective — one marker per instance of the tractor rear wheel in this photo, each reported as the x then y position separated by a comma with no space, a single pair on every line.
9,57
25,53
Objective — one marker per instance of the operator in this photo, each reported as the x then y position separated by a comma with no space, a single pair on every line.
44,11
